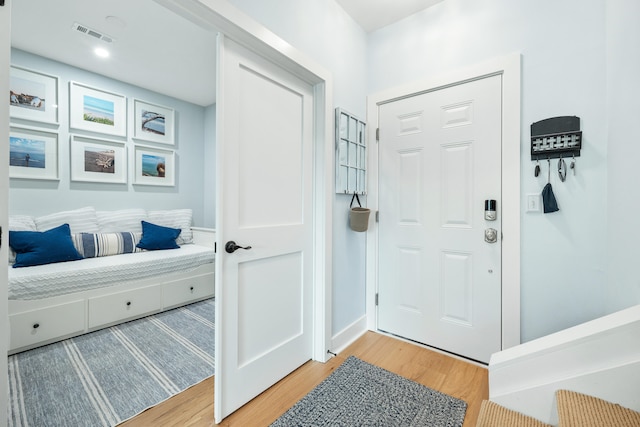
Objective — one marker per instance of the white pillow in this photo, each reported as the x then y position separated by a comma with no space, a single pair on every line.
19,223
22,223
176,218
129,220
82,220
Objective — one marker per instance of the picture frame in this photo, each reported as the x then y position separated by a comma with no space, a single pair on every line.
96,110
153,122
98,160
154,166
33,95
33,154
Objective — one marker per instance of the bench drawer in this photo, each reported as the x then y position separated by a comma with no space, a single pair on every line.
124,305
39,326
182,291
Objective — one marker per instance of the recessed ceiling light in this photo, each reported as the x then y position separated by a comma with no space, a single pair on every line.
115,21
101,52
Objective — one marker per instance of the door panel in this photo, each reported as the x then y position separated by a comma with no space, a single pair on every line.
264,189
439,281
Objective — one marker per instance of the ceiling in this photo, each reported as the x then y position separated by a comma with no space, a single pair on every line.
152,47
375,14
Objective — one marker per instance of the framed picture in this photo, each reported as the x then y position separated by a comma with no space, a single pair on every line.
33,95
33,154
97,110
153,122
97,160
154,166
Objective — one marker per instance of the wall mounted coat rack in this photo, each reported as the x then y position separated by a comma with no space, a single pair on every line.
556,137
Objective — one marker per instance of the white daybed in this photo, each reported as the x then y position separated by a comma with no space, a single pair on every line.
51,302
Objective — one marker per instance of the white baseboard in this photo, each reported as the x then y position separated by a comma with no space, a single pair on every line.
348,335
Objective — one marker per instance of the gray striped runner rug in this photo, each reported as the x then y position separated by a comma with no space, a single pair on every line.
108,376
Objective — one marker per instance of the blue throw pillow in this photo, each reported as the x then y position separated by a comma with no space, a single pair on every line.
155,237
37,248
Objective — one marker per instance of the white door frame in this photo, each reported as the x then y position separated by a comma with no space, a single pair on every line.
509,67
5,60
221,16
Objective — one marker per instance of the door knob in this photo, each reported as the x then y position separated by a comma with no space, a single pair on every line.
490,235
231,247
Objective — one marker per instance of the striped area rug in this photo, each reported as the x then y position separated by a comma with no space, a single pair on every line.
108,376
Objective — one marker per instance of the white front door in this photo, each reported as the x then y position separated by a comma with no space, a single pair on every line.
264,200
440,159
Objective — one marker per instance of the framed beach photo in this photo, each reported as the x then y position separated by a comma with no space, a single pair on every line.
33,95
154,166
98,160
96,110
33,154
153,122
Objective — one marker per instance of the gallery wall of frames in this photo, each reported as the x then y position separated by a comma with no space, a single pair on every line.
97,131
98,119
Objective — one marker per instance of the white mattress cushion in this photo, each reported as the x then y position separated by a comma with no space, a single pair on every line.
175,218
121,220
61,278
83,220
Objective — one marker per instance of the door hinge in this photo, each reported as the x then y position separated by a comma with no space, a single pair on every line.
377,134
377,216
377,299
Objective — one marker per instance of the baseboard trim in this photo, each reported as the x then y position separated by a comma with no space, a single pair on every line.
348,335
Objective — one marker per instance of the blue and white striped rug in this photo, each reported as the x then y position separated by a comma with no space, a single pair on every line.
111,375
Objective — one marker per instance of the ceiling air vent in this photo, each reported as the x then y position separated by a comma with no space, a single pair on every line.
92,33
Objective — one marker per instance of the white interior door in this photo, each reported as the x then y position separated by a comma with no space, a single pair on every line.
264,189
440,159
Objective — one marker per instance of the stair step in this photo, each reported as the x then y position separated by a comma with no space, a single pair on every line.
494,415
580,410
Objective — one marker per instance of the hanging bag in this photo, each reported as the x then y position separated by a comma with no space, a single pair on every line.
358,216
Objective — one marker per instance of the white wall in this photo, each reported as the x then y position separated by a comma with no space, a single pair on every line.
578,58
623,110
563,47
33,197
323,31
209,167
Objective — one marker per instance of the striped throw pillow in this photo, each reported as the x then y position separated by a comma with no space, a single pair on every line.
82,220
121,220
175,218
91,245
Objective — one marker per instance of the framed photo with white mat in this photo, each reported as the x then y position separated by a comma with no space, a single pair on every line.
154,166
98,160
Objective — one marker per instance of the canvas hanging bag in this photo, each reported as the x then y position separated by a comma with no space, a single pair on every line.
358,216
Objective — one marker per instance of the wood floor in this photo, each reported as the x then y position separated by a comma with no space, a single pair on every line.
454,377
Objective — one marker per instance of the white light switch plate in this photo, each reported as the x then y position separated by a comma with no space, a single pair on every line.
534,202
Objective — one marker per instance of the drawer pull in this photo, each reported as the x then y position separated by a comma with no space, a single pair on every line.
36,325
128,303
191,289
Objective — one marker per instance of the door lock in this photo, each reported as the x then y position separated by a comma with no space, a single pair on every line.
490,235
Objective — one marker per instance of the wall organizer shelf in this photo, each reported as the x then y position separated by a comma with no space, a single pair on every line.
351,154
556,137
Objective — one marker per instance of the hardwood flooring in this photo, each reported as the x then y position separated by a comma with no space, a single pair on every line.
449,375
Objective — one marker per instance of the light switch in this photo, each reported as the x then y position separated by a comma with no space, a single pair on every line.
534,202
